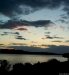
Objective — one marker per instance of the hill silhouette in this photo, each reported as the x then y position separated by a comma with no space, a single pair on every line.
13,51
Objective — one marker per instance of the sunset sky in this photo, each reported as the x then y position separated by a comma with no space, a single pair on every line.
35,25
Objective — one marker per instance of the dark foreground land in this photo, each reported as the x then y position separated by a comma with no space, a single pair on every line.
52,67
46,68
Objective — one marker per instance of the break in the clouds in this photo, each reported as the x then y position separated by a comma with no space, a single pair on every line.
15,7
15,24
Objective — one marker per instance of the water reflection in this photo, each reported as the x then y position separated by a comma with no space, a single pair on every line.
12,58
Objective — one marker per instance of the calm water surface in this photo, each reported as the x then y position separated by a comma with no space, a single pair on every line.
16,58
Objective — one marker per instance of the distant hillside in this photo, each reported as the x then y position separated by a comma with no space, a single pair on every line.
12,51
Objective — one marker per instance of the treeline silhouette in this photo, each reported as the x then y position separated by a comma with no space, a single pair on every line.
65,55
52,66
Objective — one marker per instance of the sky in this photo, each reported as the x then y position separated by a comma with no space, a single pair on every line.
35,25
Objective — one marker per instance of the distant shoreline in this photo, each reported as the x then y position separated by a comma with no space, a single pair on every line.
6,51
21,52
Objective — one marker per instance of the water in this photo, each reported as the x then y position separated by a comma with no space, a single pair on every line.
16,58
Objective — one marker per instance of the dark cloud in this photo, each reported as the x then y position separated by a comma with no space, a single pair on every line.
57,41
33,42
17,33
9,7
20,38
3,34
58,37
1,22
10,24
1,44
66,8
53,37
14,24
44,45
64,16
67,41
7,33
18,44
52,48
14,7
41,23
47,32
62,20
49,37
22,29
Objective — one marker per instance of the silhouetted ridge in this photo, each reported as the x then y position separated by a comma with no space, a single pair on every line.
13,51
52,66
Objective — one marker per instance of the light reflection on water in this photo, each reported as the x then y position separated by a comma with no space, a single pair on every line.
16,58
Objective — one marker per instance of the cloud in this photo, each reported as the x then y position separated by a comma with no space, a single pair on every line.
62,20
67,41
7,33
3,34
10,24
41,23
47,32
17,33
64,16
53,37
10,7
20,38
1,22
22,29
33,42
57,41
14,7
58,37
17,44
1,44
49,37
15,24
66,9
